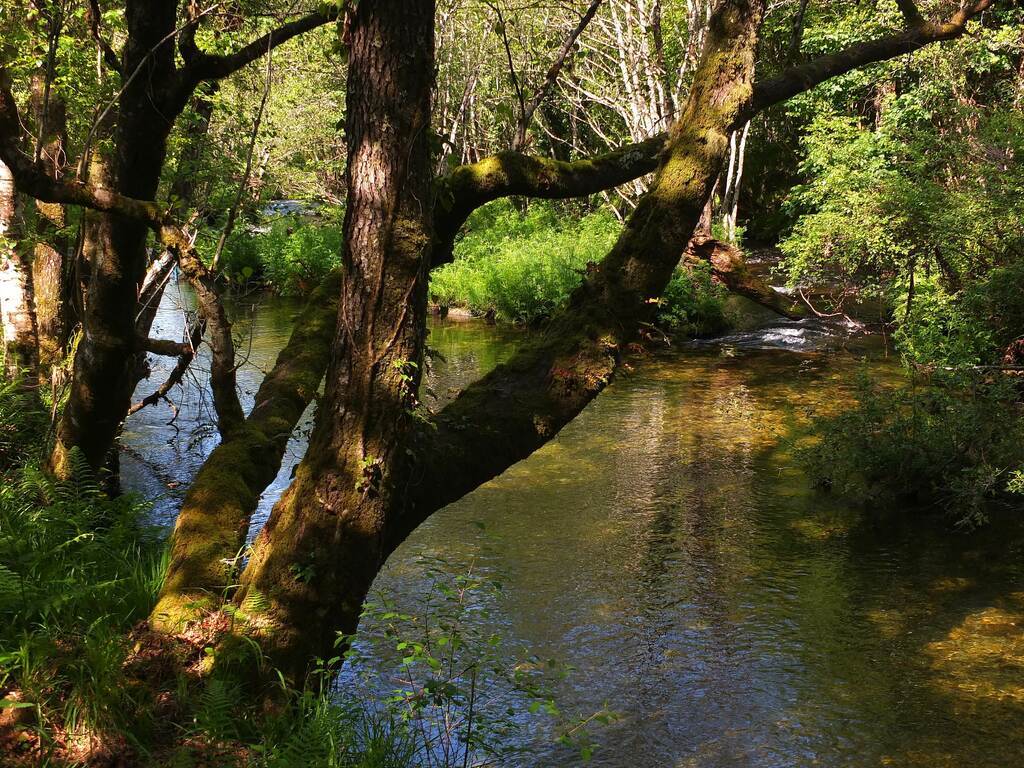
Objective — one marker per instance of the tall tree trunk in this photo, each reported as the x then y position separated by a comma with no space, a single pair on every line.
17,321
105,363
325,539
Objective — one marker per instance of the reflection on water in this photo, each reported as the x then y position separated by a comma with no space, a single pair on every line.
667,548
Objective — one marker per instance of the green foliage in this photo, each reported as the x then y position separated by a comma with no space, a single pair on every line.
22,421
77,569
950,442
521,266
692,304
973,326
292,256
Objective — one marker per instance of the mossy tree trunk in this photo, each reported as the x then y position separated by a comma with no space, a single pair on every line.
326,538
377,466
155,91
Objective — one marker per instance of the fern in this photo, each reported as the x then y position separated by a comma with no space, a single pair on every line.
255,602
12,591
215,713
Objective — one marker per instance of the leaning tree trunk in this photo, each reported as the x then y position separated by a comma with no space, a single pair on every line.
371,475
324,542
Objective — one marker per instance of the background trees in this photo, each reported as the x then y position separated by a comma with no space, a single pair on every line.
654,102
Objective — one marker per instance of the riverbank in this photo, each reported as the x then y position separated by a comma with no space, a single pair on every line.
669,549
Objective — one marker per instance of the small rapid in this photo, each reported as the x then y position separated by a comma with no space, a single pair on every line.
808,335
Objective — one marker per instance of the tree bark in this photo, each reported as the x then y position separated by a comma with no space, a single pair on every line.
325,539
17,320
104,365
153,94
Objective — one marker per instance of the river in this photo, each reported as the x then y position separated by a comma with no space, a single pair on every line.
666,548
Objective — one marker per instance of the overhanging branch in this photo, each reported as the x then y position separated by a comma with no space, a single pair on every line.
510,173
205,66
918,34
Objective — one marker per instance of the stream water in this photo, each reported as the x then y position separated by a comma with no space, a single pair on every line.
668,549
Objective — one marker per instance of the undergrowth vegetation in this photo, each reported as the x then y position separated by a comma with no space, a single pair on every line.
291,255
949,441
519,266
79,574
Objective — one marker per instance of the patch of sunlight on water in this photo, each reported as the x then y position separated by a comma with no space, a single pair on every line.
666,546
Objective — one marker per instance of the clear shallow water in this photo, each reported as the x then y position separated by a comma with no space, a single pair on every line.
666,547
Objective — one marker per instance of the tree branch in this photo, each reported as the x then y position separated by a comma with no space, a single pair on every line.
214,518
510,173
528,110
911,14
188,353
919,33
205,66
110,56
163,347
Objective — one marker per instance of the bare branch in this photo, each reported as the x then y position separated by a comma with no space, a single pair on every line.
163,347
528,110
187,354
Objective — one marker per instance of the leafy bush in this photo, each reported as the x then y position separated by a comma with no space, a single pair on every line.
520,267
692,304
973,326
950,442
292,256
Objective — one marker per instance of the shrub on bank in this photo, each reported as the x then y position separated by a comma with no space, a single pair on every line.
291,256
520,266
951,442
693,304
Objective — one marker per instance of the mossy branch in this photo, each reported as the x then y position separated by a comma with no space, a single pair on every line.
506,174
215,515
